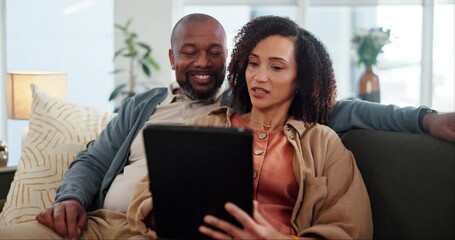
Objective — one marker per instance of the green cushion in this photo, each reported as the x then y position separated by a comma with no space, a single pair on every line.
6,177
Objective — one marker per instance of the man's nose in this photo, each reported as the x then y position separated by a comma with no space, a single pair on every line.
203,61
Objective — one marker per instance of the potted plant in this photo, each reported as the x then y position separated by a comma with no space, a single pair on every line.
139,57
368,45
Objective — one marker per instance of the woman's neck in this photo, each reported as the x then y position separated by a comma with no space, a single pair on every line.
268,121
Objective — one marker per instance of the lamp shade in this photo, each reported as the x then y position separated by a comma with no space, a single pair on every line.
19,93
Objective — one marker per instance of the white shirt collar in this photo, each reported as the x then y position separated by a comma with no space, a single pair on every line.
174,87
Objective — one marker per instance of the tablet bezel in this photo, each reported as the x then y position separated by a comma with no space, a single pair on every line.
202,168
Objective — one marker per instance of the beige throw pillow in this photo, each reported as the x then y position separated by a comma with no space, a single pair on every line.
58,130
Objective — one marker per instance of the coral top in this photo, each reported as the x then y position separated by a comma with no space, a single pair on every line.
274,185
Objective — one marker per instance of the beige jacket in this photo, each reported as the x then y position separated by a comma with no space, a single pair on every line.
332,201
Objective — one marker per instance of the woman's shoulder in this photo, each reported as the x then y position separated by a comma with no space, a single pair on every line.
217,117
323,131
315,134
323,137
311,129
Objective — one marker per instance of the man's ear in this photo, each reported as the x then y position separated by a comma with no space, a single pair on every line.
171,58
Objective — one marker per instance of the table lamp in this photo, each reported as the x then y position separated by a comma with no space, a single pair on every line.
19,93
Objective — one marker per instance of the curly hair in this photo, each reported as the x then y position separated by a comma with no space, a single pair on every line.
316,85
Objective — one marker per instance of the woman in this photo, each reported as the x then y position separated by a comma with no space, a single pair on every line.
306,182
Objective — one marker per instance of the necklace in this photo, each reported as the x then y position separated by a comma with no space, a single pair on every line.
266,127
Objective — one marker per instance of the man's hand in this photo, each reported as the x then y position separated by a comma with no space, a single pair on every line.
67,218
440,125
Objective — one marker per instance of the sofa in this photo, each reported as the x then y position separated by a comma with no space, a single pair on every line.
410,178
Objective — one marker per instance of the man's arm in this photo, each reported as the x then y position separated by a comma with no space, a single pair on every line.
81,185
348,114
85,174
83,180
440,125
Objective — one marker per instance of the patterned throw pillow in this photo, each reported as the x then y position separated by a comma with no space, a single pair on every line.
58,130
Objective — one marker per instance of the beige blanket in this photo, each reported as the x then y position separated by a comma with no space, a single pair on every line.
140,207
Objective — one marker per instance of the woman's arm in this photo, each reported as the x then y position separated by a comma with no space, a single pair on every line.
336,197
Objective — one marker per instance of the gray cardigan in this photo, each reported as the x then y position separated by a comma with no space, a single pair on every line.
90,175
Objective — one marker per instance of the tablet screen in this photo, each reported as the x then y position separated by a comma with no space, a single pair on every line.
193,172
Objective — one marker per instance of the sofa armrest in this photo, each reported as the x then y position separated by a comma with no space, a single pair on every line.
6,177
410,180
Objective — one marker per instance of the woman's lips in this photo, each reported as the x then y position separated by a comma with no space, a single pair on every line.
259,92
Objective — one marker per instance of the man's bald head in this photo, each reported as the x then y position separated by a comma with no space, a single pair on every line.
190,18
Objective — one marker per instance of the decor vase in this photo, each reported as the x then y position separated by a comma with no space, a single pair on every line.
3,153
369,86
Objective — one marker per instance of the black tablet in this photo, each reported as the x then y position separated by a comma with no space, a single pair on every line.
193,172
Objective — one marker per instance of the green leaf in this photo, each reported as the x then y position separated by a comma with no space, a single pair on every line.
144,46
120,27
116,71
132,51
146,69
118,52
128,23
116,91
152,62
129,41
130,94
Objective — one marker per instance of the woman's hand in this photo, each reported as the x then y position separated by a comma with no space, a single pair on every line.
253,228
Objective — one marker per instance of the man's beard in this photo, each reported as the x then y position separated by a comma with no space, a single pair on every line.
198,95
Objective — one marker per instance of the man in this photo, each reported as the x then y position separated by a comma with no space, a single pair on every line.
100,180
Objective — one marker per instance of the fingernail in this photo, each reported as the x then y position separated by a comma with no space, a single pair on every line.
208,218
228,205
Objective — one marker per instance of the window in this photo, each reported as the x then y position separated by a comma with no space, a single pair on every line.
399,67
443,58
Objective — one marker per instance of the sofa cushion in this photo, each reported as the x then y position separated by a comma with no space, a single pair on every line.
58,130
410,180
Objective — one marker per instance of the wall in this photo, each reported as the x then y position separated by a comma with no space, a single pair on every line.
331,27
153,22
61,35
